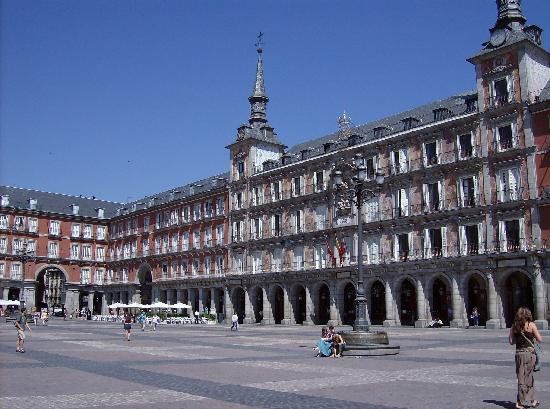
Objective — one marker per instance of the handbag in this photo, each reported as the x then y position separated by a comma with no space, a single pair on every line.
537,350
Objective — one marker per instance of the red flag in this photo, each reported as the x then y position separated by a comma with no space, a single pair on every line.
341,248
331,254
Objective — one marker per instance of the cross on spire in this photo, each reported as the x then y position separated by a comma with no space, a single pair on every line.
260,42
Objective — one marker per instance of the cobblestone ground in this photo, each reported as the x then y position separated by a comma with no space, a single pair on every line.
80,364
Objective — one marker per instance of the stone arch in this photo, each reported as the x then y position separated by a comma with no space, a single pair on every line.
516,290
144,279
298,302
474,286
256,295
39,270
377,301
277,301
348,307
237,297
407,300
50,287
142,272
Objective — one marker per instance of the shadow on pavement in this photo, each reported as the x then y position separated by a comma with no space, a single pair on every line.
501,403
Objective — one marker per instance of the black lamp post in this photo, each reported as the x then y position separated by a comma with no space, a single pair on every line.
23,254
350,185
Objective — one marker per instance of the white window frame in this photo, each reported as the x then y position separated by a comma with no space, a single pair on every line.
54,228
509,184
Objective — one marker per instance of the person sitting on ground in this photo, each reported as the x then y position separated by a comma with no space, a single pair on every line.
435,323
337,345
324,345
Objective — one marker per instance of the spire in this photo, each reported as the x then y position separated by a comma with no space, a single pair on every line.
258,100
509,14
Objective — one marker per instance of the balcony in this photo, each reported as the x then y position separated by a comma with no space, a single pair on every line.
500,100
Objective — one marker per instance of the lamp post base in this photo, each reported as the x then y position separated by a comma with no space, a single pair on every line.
367,343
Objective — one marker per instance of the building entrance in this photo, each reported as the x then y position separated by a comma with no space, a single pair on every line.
50,289
348,317
377,303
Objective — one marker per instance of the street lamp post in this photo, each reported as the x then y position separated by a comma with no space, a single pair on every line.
350,185
356,192
24,254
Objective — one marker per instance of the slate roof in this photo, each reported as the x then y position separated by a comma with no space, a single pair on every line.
57,202
457,105
545,93
177,193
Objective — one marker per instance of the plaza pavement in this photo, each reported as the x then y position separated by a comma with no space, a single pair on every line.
86,364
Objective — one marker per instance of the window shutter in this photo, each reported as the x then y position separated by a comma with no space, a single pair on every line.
503,244
444,241
315,181
522,240
392,161
395,247
510,87
302,184
403,160
476,191
460,195
514,128
441,193
424,158
463,241
458,147
427,244
411,247
375,248
437,151
513,183
404,196
425,196
480,236
502,186
472,142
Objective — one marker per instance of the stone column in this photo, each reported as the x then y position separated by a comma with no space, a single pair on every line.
5,293
248,310
213,302
390,317
310,309
227,306
192,298
104,303
71,301
267,312
457,302
493,321
201,299
287,316
334,316
422,321
539,301
91,301
28,296
169,299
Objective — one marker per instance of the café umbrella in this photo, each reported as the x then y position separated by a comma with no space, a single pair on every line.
117,305
180,305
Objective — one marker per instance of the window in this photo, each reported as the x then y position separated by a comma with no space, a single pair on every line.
3,245
257,195
175,242
320,256
319,183
512,235
371,165
373,250
297,186
371,209
220,206
164,270
239,200
53,249
2,270
501,91
158,220
276,230
465,145
239,262
240,169
431,153
185,241
174,269
195,267
321,222
256,262
3,221
184,267
16,246
75,251
219,264
238,229
145,224
256,228
19,223
468,191
219,235
196,239
15,271
124,275
399,161
133,249
208,237
277,259
31,246
207,265
145,247
402,246
165,244
509,185
157,245
470,238
88,231
401,203
185,214
126,250
54,228
208,209
298,221
128,228
431,193
174,217
277,191
506,137
99,276
435,242
33,225
298,257
119,230
100,253
85,275
100,232
197,211
75,230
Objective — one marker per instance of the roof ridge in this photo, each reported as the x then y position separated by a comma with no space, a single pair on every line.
60,194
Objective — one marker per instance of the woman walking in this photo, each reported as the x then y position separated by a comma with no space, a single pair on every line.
523,334
127,325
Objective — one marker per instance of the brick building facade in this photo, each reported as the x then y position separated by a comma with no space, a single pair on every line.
461,219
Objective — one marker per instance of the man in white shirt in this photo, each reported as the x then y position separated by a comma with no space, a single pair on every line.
234,322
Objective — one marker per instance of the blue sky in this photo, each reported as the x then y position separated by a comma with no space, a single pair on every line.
121,99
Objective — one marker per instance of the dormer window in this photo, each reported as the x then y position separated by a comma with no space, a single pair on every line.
501,91
5,200
75,209
471,104
381,131
327,146
32,204
441,114
410,123
240,168
354,139
304,153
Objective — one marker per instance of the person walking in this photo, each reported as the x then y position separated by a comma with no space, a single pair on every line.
44,316
475,317
197,316
20,324
523,333
127,325
234,322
